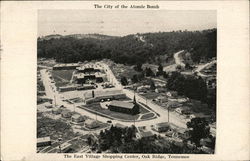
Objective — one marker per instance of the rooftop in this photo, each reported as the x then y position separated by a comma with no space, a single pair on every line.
102,93
65,112
146,134
43,139
76,116
163,124
122,104
66,65
181,130
120,125
90,122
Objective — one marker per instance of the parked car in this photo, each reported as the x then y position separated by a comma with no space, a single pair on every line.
109,121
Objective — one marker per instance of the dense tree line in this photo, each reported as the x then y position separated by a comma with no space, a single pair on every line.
114,137
128,49
190,86
121,140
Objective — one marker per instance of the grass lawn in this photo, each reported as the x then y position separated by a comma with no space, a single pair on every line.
61,77
146,116
77,100
150,95
143,110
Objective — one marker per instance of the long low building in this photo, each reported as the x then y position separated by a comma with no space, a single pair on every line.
44,141
69,66
98,96
162,127
82,78
76,87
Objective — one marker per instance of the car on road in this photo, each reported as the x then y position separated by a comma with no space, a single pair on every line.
109,121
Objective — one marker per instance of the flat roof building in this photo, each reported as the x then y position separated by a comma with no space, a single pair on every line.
68,66
162,127
43,141
144,134
97,96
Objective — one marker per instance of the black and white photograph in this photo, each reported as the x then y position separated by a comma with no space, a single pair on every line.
134,81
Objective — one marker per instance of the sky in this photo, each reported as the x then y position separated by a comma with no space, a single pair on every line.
122,22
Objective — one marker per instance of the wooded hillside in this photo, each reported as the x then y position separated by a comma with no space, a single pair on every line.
130,49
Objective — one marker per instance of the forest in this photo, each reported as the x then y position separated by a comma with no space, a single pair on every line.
130,49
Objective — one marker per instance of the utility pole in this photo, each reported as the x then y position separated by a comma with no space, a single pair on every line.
168,114
55,100
60,142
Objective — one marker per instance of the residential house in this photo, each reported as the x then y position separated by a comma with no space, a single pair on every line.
144,134
66,114
91,124
77,118
161,127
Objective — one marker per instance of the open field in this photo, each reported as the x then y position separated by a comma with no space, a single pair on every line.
150,95
61,77
121,70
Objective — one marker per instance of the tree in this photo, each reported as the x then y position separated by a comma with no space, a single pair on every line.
165,75
188,66
178,67
152,85
135,78
127,49
149,72
189,86
89,141
124,81
138,67
160,68
199,129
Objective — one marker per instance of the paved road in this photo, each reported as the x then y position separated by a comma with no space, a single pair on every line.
173,117
177,59
201,67
58,99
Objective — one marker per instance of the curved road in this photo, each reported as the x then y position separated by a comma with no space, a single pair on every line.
57,97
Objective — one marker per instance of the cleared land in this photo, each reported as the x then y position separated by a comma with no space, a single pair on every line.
150,95
61,77
121,70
